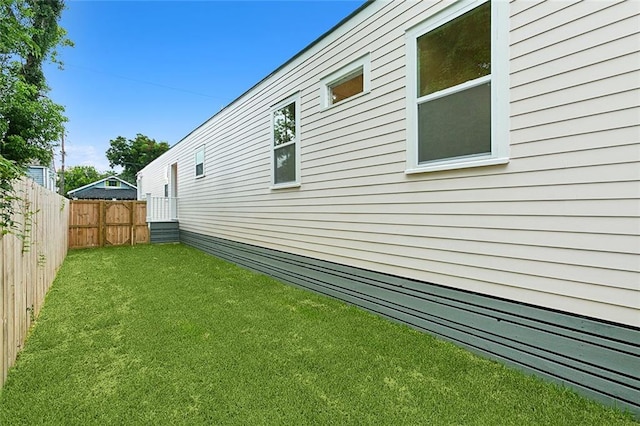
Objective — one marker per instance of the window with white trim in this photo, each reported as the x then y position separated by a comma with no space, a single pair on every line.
457,88
347,82
285,137
200,162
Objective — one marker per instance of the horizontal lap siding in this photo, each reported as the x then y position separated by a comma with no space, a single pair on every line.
557,227
574,105
164,232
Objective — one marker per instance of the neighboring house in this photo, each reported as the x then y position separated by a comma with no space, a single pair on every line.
43,176
109,188
468,168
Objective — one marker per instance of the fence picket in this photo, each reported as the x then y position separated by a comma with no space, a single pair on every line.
28,264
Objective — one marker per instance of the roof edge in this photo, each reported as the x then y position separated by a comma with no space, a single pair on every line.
366,4
101,180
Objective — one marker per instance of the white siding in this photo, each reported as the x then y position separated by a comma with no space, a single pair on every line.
556,227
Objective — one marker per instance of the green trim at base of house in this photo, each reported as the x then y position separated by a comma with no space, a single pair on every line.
596,358
163,232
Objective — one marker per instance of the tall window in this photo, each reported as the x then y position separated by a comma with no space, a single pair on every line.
456,111
200,162
285,127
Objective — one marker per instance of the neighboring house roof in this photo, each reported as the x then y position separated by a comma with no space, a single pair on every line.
105,194
99,190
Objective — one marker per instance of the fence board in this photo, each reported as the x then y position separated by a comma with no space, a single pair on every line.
99,223
141,230
28,264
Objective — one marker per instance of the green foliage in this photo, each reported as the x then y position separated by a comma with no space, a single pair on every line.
33,124
134,154
47,35
78,176
26,230
16,36
30,123
16,216
165,334
9,173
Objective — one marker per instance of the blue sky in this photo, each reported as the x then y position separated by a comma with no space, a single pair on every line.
162,68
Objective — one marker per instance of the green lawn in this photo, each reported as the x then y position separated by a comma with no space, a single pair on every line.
169,335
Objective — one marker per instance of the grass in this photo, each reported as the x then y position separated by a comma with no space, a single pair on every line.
170,335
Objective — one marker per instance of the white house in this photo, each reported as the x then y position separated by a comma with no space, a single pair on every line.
470,168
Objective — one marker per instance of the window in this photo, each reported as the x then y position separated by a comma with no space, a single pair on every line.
347,82
285,130
457,88
112,183
200,162
346,87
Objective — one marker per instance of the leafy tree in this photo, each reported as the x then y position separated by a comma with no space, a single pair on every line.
134,154
78,176
33,124
30,123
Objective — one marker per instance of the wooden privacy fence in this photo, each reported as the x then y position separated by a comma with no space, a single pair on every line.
29,260
99,223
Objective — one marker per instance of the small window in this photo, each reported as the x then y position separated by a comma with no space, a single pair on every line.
345,88
200,162
345,83
285,129
166,190
113,183
456,90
